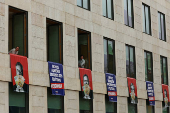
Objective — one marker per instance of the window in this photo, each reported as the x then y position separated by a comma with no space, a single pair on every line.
108,8
84,4
18,102
109,56
55,102
148,66
149,109
84,48
18,30
54,41
164,109
130,62
128,13
132,108
164,70
162,29
85,105
146,19
111,107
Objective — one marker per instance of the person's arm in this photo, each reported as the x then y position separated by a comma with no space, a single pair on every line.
10,51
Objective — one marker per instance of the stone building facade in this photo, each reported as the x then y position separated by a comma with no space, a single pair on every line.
73,17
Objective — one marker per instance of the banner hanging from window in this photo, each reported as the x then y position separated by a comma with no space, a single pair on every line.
86,83
56,78
111,87
150,91
19,72
165,91
132,90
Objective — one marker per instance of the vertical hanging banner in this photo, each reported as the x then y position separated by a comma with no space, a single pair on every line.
56,78
86,83
111,87
132,90
165,91
19,72
150,91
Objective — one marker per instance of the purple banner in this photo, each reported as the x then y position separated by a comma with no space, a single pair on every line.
150,91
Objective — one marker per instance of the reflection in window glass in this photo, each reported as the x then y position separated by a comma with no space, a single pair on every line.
85,4
164,74
161,22
110,55
127,62
107,8
143,9
105,56
128,12
146,19
104,7
125,12
79,2
148,66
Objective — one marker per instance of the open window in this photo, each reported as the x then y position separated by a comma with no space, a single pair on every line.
84,49
18,102
18,30
54,41
55,102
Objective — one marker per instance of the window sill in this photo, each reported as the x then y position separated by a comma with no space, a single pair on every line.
84,8
147,34
129,26
108,18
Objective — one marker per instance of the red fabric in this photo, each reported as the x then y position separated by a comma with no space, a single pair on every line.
23,60
132,80
84,71
165,87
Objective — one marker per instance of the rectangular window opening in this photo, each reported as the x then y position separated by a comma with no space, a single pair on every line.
164,70
84,4
108,11
18,30
84,49
54,41
162,28
111,107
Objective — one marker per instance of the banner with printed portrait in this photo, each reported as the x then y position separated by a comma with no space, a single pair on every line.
56,78
132,90
165,91
150,92
111,87
86,83
19,72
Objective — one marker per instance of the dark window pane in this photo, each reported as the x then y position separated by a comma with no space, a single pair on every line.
159,22
109,8
105,56
132,66
14,109
110,106
127,62
79,3
84,104
54,110
110,55
146,74
85,4
104,7
143,11
130,13
162,27
165,71
131,107
161,61
149,58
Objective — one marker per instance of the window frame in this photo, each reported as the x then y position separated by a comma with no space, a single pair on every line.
162,77
131,12
107,100
149,15
112,10
129,46
83,6
147,52
161,25
53,22
114,56
129,102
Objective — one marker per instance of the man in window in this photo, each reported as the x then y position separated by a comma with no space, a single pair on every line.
14,51
81,62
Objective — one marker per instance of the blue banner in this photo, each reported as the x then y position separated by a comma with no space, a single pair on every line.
56,78
150,91
111,87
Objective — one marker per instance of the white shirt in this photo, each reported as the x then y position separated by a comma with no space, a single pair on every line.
12,51
82,63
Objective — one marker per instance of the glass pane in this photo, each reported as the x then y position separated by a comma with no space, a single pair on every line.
105,56
132,66
162,26
104,7
165,77
79,3
125,12
127,61
143,11
109,8
110,55
149,58
85,4
109,105
14,109
130,12
147,20
146,74
149,109
84,104
161,61
131,108
54,110
53,44
159,22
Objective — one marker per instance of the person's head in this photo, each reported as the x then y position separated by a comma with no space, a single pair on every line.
17,48
85,79
165,92
132,87
19,69
81,57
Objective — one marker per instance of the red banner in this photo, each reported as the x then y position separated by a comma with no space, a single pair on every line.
132,90
19,71
165,91
86,82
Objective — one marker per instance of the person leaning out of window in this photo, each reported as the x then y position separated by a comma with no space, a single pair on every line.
81,62
14,51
